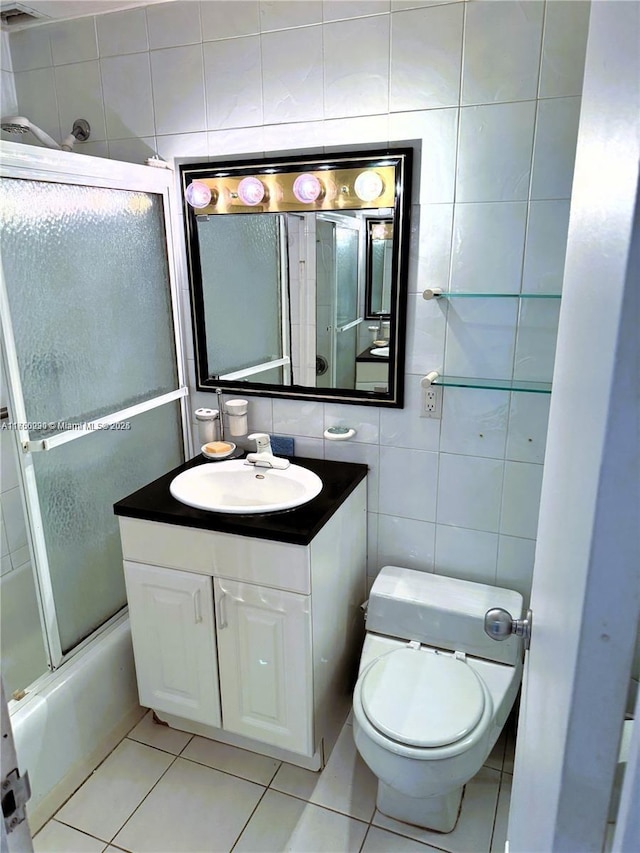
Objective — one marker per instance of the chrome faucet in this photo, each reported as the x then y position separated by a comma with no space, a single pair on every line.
263,457
263,442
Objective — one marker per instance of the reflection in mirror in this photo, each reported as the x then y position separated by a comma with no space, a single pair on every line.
379,259
289,260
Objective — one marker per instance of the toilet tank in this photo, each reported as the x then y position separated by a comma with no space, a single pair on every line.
444,612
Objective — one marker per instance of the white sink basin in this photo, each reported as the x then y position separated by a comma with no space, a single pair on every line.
234,486
382,351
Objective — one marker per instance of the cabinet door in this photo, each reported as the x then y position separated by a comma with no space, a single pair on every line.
173,632
264,648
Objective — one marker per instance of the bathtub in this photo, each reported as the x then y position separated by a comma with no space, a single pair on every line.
71,719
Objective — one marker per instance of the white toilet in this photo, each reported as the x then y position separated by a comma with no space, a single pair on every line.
433,691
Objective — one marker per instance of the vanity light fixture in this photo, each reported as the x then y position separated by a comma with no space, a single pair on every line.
368,186
251,191
197,194
307,188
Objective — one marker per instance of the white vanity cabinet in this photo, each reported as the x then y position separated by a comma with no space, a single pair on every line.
249,641
372,376
266,671
173,631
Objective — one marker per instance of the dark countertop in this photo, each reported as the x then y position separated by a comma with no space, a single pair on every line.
297,526
365,355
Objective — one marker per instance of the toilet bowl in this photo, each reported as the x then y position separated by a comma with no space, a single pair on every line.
433,691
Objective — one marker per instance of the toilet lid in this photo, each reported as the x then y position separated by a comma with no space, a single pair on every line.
422,699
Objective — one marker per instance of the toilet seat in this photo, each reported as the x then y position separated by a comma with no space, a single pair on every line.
421,699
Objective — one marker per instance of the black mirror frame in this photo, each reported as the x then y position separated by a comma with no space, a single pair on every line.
402,158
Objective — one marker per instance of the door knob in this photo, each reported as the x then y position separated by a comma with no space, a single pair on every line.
500,624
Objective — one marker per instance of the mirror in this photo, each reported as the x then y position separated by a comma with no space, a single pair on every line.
297,272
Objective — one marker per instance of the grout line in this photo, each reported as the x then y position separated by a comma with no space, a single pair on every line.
227,772
248,820
331,809
364,840
427,844
55,819
145,796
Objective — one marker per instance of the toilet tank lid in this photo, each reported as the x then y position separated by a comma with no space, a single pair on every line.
441,611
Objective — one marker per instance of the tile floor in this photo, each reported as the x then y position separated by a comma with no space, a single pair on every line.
162,790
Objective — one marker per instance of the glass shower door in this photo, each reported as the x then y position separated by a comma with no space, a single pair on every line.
90,344
244,286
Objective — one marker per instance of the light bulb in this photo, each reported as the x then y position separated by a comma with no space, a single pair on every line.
368,186
251,191
197,194
379,231
307,188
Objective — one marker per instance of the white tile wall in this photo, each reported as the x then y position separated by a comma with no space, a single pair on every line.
546,245
178,107
520,499
37,90
336,10
356,67
515,565
474,84
436,131
426,327
121,32
489,246
8,98
227,20
74,41
408,483
79,95
467,554
134,115
470,491
499,68
480,337
494,156
426,50
292,75
527,433
474,422
430,246
537,332
30,49
233,82
565,35
174,24
406,542
283,14
555,149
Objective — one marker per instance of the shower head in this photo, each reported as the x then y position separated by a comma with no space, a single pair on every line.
15,124
19,124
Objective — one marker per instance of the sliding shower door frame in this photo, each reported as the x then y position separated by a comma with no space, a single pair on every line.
37,164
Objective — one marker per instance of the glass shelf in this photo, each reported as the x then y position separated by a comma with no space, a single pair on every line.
493,384
469,295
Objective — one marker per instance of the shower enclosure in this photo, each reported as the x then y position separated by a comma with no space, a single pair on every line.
95,390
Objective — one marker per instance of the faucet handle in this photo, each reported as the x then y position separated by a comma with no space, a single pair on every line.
262,440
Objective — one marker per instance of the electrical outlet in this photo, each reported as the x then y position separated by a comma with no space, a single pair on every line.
431,402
